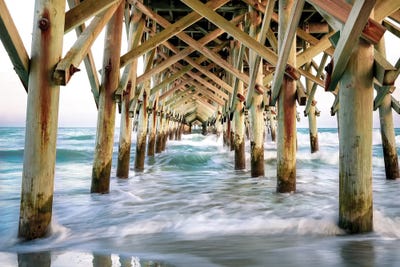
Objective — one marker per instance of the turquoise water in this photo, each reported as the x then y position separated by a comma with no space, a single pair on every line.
190,208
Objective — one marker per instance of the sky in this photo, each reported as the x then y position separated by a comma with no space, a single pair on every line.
77,106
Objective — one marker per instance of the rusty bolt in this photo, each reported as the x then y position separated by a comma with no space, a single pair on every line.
44,24
73,69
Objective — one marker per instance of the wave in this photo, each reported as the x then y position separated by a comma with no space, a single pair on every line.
66,155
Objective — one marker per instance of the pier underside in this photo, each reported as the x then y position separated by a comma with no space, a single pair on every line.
233,67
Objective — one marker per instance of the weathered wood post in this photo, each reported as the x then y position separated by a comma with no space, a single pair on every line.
286,143
355,141
125,135
41,121
165,124
257,129
151,146
141,133
387,130
106,114
143,118
312,118
239,143
159,132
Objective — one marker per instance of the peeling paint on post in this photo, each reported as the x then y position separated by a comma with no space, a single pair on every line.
355,141
41,121
101,170
286,144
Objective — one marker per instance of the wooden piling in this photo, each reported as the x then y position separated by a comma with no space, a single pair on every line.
256,118
106,114
125,134
41,121
159,131
286,144
151,146
355,141
165,124
143,118
239,144
141,134
387,130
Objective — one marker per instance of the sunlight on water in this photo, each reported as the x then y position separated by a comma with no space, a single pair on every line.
191,208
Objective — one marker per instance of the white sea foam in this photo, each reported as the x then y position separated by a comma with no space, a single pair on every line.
387,227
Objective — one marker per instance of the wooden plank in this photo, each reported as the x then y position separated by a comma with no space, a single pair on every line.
138,27
168,32
396,16
13,44
372,30
351,32
382,69
381,92
311,52
68,65
384,8
212,36
89,62
314,87
285,50
78,14
200,68
209,54
391,27
301,94
221,22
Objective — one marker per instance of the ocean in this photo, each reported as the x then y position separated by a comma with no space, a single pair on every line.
191,208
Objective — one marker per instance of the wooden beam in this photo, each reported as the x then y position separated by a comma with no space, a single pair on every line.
88,61
212,36
168,32
285,49
384,8
13,44
209,54
391,27
78,14
196,65
381,92
221,22
352,29
396,16
311,52
314,87
68,65
170,79
383,70
138,25
371,31
301,94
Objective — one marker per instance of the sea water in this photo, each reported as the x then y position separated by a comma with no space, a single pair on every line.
191,208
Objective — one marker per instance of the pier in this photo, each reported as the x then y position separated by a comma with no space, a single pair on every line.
236,68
